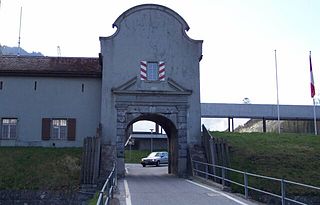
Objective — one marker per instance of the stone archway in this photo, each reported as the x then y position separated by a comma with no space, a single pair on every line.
172,118
145,34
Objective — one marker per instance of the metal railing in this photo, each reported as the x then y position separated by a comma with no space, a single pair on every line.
282,182
106,193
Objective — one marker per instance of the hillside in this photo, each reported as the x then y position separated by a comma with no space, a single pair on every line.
290,156
6,50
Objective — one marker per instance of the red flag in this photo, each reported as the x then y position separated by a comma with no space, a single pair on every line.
313,90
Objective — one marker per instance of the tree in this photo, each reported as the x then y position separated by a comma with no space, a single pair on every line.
246,101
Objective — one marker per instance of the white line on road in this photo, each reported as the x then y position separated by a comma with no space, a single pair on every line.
218,192
127,171
126,188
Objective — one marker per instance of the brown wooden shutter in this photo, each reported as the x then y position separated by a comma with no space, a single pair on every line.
71,129
1,129
46,122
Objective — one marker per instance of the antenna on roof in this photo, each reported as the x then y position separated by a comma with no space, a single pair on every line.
58,51
19,40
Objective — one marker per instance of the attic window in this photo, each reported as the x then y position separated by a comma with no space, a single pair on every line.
152,71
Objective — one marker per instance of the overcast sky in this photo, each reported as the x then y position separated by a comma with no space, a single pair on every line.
240,37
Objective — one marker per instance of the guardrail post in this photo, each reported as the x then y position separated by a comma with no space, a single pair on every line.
223,173
196,165
283,192
108,190
245,178
101,201
206,171
116,174
113,184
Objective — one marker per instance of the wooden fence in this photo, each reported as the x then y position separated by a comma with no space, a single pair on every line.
216,150
91,159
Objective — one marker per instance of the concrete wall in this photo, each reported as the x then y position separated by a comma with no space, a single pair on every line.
54,98
150,33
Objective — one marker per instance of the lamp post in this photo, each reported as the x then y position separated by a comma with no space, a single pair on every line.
131,142
151,141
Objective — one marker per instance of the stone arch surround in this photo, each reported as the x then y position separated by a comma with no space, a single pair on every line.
172,118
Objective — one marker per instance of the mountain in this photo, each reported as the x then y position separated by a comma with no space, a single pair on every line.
6,50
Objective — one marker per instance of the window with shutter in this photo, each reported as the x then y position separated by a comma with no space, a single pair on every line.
58,129
152,71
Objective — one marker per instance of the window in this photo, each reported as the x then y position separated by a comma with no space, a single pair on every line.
152,71
58,129
9,128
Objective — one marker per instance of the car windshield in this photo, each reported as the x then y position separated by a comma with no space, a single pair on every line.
154,154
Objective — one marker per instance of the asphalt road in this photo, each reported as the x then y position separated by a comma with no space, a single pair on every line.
154,186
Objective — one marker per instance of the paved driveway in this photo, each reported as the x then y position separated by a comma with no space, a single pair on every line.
154,186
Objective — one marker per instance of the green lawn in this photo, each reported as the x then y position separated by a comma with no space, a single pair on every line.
134,156
40,168
293,157
94,200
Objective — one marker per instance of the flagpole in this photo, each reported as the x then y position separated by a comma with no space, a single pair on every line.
19,39
313,93
278,107
315,117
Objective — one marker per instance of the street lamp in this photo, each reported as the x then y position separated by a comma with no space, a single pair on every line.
151,141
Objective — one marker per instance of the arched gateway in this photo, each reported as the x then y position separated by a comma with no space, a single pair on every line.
150,72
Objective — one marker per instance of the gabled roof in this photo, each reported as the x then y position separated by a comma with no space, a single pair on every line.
49,66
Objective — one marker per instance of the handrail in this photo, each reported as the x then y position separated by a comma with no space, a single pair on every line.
106,193
245,184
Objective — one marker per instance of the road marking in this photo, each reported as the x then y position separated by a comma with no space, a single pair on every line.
213,194
218,192
126,188
127,171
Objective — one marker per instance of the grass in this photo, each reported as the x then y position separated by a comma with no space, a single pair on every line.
290,156
293,157
134,156
35,168
94,200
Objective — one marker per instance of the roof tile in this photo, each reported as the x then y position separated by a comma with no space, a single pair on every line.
49,66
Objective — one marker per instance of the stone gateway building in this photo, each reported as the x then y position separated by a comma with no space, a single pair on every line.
147,70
